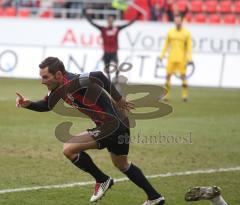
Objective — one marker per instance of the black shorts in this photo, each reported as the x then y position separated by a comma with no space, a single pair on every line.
117,142
110,57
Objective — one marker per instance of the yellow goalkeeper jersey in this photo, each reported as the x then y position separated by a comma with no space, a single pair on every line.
179,46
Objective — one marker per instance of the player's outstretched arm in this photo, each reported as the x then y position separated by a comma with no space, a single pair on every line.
86,14
39,106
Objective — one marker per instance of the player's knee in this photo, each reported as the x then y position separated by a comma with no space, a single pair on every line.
67,152
183,77
122,166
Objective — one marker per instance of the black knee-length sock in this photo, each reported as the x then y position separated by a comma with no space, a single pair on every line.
84,162
136,176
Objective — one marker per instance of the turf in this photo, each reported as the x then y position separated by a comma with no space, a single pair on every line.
30,154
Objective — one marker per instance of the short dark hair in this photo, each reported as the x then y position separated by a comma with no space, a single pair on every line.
54,65
178,15
111,16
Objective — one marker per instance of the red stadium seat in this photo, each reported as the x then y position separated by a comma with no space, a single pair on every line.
10,12
225,6
200,18
214,18
143,5
188,17
130,14
211,6
182,5
229,19
1,11
23,12
237,7
47,14
196,6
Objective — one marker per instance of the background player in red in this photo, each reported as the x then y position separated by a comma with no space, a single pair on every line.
110,40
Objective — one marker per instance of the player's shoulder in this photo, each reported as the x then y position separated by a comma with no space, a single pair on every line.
70,76
85,75
172,30
95,73
185,30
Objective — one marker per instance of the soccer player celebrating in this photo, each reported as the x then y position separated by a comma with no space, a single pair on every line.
95,96
179,43
213,194
110,41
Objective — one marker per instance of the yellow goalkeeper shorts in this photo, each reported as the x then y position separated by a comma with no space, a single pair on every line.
176,67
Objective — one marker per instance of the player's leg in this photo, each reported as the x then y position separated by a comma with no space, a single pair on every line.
206,193
168,86
74,151
115,60
219,200
117,80
184,82
170,68
184,88
106,61
79,143
136,176
119,148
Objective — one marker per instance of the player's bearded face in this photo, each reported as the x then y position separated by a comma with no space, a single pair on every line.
178,22
49,79
110,21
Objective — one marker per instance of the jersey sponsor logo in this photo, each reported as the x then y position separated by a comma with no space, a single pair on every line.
70,97
111,32
70,100
94,133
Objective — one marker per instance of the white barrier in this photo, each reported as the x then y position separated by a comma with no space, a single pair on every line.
24,43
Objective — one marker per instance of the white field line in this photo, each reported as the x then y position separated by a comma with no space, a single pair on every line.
169,174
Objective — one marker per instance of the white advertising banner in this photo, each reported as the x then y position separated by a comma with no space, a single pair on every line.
24,43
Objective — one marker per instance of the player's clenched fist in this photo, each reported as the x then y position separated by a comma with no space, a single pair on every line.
21,101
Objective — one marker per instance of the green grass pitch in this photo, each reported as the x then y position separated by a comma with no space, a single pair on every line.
30,155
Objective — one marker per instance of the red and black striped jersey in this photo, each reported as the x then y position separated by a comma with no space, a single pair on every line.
110,35
92,94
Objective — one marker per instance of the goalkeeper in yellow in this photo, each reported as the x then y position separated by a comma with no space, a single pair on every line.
179,46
